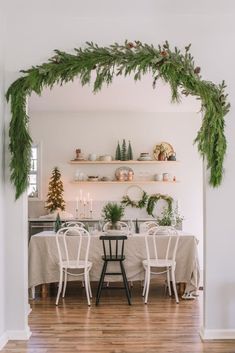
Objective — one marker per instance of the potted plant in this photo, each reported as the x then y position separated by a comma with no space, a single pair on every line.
170,217
113,212
166,217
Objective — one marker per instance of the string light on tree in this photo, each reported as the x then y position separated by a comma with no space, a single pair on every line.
55,199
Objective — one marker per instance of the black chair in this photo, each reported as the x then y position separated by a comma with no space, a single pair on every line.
113,246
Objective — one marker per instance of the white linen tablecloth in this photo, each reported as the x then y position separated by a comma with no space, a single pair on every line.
43,259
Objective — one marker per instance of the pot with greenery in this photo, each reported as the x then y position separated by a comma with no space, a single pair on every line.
112,213
170,218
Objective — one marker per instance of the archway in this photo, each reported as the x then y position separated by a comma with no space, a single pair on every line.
213,103
172,66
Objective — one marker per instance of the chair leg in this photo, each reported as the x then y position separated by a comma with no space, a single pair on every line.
147,284
101,282
145,280
127,289
168,281
89,284
65,282
174,284
87,287
60,286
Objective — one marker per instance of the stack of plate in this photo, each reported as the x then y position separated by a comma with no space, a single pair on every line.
144,156
93,178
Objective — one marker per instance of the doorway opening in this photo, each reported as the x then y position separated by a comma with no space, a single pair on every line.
72,117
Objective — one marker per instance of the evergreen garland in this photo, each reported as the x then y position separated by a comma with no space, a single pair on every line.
153,199
55,199
171,65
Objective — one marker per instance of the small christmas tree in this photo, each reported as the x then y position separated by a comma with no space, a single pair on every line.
118,152
55,199
57,223
129,152
123,154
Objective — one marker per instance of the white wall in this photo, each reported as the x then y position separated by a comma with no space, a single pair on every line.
211,33
2,194
99,132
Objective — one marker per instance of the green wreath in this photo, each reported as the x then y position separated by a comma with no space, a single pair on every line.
170,65
136,204
153,199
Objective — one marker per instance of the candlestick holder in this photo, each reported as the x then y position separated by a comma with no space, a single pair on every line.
76,213
82,215
84,209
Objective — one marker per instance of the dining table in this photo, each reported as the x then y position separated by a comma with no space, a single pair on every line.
43,261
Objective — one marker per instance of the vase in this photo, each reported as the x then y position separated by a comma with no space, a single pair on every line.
162,156
115,226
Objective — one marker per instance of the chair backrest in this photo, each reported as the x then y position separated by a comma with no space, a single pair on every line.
123,227
145,226
113,246
75,224
73,244
152,237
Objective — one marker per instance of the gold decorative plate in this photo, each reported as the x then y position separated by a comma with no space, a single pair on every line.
168,149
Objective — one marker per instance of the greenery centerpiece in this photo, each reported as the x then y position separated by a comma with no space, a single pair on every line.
113,213
170,217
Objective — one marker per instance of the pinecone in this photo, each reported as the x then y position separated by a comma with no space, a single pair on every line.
164,53
197,70
56,59
130,45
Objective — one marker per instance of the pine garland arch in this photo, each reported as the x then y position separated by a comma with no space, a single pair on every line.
171,65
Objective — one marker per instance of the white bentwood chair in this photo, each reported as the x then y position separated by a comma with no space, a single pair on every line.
145,226
75,224
165,264
70,258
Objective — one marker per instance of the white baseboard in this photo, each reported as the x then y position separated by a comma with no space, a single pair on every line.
19,335
29,309
3,340
23,335
206,334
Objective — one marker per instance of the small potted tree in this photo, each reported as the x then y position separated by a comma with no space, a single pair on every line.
112,213
170,218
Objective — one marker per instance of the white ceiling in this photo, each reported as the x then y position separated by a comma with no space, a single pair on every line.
124,94
121,9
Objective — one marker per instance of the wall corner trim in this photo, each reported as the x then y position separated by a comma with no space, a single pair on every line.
3,340
215,334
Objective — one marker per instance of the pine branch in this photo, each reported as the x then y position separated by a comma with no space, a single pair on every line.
171,65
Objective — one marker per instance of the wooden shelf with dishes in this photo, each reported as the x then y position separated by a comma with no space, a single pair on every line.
124,162
124,182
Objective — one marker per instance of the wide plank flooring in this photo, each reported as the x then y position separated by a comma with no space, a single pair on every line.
116,327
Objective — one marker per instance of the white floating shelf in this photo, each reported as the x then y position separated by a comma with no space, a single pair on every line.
125,182
123,162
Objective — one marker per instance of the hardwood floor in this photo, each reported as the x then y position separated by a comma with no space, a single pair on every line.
116,327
